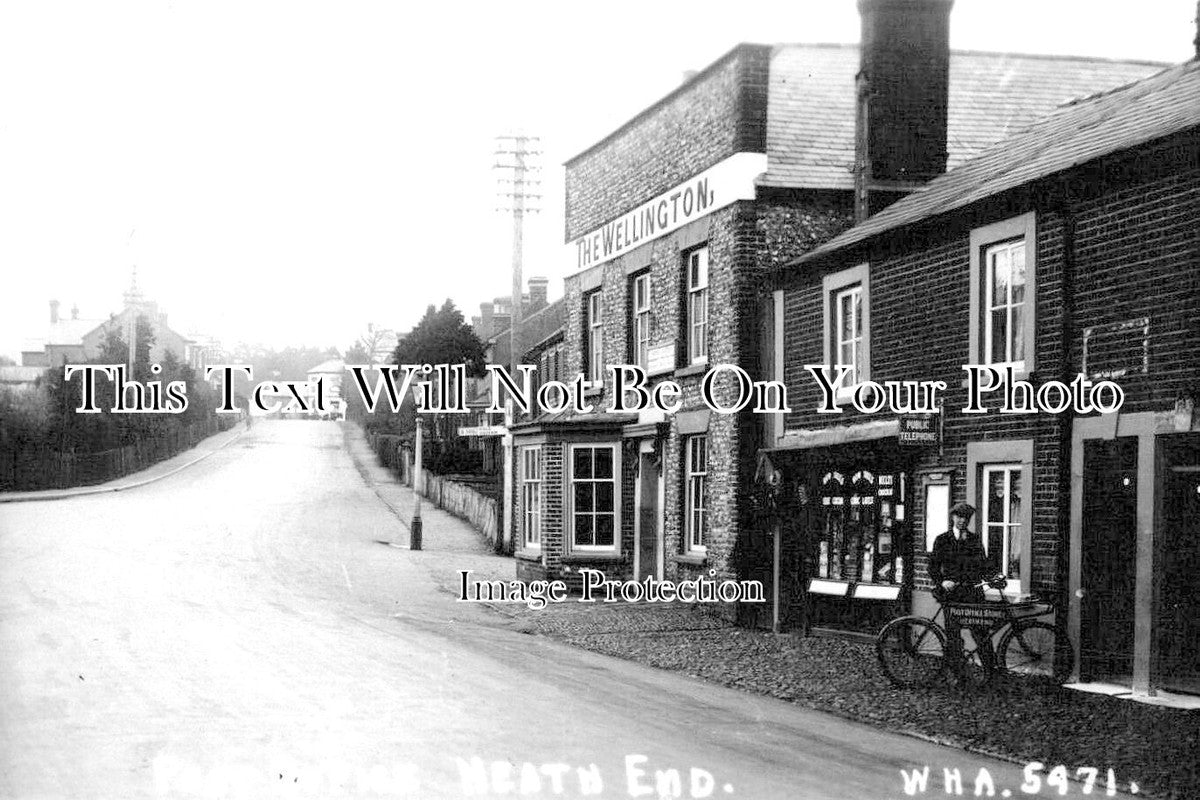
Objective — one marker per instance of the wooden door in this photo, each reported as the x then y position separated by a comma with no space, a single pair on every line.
1177,621
1109,550
649,529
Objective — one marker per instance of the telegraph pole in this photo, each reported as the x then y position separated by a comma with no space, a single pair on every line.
513,155
133,299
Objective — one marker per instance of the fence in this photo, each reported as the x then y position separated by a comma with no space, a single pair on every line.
463,496
44,468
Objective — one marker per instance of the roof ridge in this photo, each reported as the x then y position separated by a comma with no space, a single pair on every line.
1060,140
1123,87
999,53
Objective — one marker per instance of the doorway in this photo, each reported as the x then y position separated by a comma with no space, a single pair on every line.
649,531
1109,559
1177,621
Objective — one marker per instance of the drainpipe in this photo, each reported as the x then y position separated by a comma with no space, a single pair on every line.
1067,419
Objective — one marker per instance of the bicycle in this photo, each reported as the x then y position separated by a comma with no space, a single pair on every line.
912,649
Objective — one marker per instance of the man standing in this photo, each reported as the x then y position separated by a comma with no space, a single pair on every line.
957,561
957,564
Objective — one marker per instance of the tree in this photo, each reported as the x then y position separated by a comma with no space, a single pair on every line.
367,345
357,353
442,337
115,350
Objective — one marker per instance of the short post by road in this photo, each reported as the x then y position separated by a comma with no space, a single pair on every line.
414,541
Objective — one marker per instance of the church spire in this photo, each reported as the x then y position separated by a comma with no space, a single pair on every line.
133,295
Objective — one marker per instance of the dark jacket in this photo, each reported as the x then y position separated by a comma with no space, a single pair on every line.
963,562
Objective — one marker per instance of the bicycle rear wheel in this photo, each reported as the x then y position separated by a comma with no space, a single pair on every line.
911,651
1035,649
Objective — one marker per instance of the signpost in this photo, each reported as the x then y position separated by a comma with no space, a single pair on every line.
483,430
414,530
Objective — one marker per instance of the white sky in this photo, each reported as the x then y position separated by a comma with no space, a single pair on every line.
287,172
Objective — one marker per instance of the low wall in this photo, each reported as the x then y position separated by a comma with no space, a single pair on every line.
464,502
466,498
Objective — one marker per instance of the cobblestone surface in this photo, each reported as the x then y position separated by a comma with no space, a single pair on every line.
1158,748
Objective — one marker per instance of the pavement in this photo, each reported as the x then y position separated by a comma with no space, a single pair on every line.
244,628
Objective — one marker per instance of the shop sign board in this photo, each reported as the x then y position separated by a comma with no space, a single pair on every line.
660,359
720,185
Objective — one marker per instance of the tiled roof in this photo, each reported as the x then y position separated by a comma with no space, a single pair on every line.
1159,106
71,331
329,366
810,111
534,329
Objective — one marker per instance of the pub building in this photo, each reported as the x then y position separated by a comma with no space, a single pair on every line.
1067,249
672,223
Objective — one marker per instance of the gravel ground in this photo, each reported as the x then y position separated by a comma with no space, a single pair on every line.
1158,748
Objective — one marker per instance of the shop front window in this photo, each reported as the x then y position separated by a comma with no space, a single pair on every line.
861,532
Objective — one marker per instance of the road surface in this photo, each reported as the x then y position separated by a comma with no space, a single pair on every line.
238,630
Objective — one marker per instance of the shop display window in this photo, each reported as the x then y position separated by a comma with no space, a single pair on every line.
863,514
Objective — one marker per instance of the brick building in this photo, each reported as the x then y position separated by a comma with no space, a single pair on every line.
1067,249
674,220
76,340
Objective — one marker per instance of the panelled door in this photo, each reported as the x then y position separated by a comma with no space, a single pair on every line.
1109,559
1177,621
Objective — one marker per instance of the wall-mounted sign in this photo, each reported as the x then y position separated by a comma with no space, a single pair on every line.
718,186
660,359
920,430
483,430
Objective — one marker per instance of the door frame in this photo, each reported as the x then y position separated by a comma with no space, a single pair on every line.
1143,426
646,447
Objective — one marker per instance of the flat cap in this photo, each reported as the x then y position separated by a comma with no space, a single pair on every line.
963,510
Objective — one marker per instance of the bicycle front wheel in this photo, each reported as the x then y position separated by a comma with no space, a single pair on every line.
1035,649
911,651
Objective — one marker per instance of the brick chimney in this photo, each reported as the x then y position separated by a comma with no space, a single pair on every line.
53,311
902,97
485,320
538,289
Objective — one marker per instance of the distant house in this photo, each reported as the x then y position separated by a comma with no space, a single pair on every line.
330,372
541,321
76,340
63,341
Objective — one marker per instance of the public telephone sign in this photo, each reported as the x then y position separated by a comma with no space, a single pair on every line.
919,430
